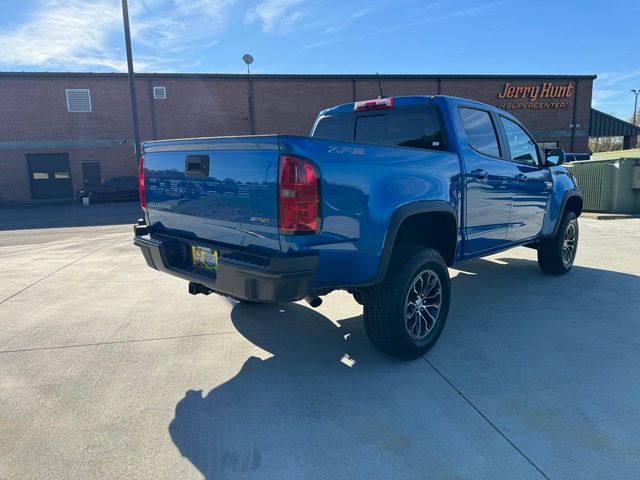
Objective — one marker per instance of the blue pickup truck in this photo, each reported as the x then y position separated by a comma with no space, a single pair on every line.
379,200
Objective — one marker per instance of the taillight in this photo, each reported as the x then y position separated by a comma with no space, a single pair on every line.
143,196
377,104
298,197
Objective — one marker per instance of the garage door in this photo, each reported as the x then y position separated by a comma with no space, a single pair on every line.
50,175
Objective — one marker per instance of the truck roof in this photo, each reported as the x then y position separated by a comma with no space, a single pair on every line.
412,100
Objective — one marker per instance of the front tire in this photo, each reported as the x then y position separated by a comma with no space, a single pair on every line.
405,315
557,254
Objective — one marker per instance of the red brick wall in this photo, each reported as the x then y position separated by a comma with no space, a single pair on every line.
36,109
33,110
15,184
368,89
202,107
547,119
14,180
291,106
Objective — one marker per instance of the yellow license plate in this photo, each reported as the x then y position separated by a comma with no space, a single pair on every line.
204,257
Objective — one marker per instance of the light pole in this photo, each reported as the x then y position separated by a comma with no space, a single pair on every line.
132,83
248,59
635,106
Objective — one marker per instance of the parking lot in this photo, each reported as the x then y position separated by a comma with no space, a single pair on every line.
109,369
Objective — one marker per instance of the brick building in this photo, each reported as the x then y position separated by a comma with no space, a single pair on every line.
58,130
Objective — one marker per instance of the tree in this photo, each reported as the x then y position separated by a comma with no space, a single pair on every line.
608,144
636,121
605,144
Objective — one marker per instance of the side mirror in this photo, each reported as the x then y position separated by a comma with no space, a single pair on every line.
554,157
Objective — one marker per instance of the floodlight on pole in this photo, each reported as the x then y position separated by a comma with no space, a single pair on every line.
248,59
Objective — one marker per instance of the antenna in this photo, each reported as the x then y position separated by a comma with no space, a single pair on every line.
379,86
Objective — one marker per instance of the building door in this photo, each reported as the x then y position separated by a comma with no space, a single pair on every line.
50,175
91,175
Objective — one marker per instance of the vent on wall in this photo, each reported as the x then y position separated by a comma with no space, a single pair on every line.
159,93
78,100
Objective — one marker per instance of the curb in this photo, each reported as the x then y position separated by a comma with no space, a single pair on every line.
609,216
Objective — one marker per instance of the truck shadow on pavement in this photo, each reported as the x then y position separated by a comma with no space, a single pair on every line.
287,415
328,405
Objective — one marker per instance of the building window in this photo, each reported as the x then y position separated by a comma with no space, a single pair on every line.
78,100
159,93
40,175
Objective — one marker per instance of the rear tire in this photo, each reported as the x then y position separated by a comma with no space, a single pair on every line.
405,315
557,254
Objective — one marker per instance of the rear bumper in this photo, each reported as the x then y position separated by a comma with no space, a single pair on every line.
245,276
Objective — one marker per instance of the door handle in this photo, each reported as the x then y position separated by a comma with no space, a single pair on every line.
479,173
521,177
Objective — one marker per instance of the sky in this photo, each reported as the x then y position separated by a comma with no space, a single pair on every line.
332,36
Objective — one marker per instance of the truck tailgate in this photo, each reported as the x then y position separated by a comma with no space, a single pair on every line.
222,190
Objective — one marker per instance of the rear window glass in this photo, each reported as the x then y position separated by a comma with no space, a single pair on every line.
481,134
371,129
403,127
335,127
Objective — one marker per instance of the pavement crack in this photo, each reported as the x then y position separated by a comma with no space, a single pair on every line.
56,271
157,339
486,419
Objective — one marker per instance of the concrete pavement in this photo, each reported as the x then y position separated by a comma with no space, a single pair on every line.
109,369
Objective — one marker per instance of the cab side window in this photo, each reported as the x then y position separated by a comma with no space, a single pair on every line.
480,132
522,146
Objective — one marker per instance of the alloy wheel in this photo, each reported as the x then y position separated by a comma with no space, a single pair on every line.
422,304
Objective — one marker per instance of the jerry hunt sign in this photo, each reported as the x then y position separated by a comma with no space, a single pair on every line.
555,96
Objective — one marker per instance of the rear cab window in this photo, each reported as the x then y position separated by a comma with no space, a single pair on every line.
335,127
413,127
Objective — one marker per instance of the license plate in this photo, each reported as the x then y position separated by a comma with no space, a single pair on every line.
204,257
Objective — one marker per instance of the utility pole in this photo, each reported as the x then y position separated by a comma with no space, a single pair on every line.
132,82
635,106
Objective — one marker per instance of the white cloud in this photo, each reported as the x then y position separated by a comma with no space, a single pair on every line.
450,15
61,33
601,97
275,14
80,35
213,9
612,78
611,92
423,19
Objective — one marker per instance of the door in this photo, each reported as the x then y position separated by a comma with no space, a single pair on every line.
91,176
50,175
532,183
489,182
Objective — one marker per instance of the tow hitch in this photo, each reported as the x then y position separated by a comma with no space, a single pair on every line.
196,288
